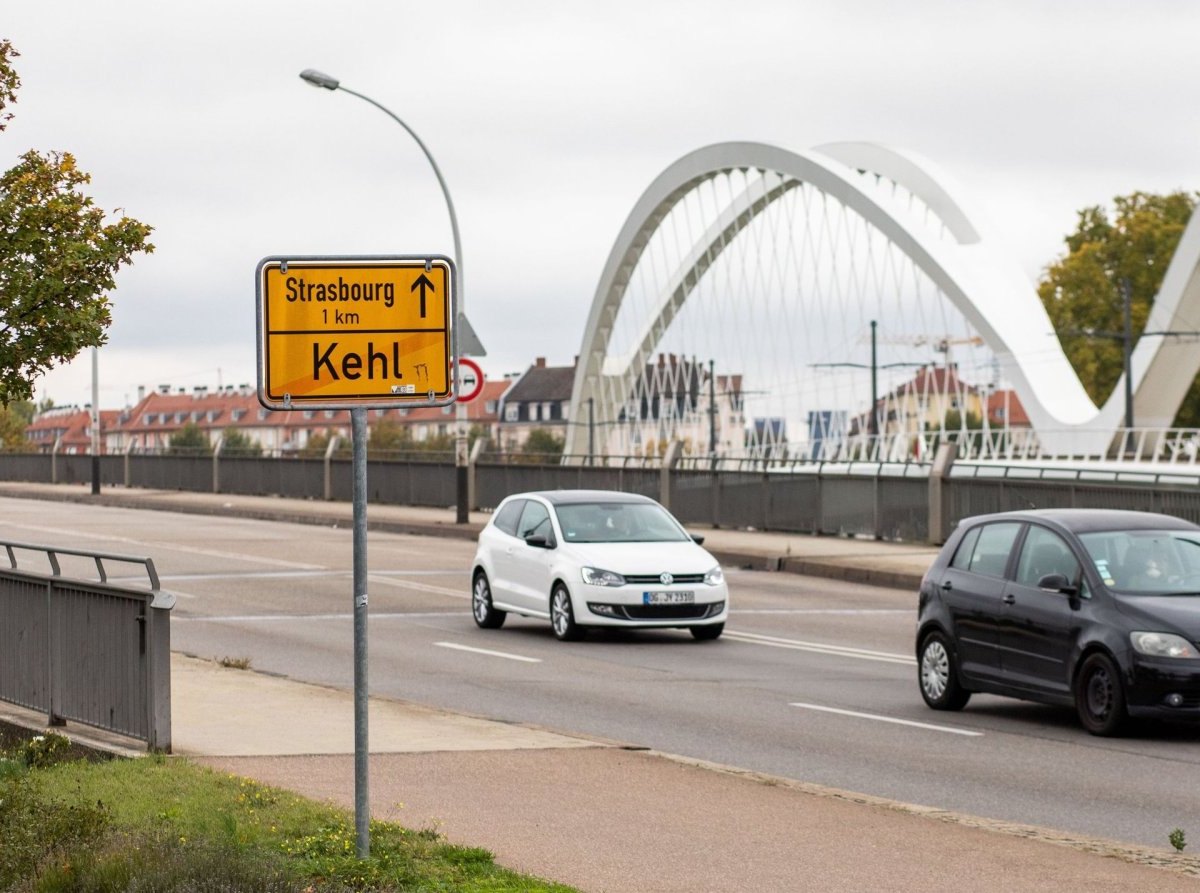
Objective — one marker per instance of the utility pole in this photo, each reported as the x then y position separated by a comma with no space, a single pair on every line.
1127,339
874,384
712,414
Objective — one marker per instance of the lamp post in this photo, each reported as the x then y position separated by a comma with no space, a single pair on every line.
320,79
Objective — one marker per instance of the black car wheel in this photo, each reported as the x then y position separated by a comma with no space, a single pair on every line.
1100,697
486,615
562,616
937,674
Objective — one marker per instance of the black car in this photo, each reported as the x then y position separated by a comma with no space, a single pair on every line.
1086,607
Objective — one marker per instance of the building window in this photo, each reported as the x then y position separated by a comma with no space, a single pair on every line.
564,409
489,407
262,414
547,411
512,413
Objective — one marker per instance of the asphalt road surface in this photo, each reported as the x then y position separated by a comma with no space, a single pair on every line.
813,680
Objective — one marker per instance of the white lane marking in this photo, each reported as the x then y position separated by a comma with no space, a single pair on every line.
174,547
847,611
820,648
284,618
419,587
900,722
272,575
504,654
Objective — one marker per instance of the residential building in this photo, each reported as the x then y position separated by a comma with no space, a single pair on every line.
540,398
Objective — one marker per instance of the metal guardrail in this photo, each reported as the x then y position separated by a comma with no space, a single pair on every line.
97,652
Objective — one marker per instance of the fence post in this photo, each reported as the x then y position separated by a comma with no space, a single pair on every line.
333,442
216,475
128,453
670,460
472,461
943,461
158,672
54,460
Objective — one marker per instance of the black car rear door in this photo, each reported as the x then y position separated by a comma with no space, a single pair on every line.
972,589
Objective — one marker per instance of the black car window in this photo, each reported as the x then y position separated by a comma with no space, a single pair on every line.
962,555
506,518
990,557
1045,552
535,521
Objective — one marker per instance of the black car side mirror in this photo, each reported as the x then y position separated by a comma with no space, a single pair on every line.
1057,583
697,539
539,542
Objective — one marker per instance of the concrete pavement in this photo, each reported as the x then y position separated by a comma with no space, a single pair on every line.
596,814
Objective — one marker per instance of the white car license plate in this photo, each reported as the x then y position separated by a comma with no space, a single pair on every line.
668,598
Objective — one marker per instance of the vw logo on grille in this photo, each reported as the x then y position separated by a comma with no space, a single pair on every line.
666,579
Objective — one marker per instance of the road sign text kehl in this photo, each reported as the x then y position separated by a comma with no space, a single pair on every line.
346,332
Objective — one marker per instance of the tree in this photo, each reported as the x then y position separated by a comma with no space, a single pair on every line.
542,446
237,443
189,441
58,258
388,436
1082,289
14,419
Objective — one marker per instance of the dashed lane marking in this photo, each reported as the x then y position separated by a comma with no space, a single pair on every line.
890,719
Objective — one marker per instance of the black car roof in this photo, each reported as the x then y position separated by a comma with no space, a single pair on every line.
1092,520
569,497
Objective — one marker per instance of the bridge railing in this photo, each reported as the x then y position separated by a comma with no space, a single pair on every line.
95,651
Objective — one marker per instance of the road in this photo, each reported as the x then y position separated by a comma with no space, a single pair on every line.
814,679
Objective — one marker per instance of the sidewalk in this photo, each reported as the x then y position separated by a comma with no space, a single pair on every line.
900,565
595,814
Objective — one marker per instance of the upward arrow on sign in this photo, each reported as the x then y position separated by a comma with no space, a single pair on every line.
424,284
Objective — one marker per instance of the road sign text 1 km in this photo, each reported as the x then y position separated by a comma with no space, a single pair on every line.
345,332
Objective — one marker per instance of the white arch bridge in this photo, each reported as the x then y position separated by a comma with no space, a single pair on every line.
842,303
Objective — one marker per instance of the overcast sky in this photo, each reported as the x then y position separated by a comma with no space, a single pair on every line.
548,120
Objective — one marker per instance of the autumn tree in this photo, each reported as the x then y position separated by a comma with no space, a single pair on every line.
14,419
58,258
1082,290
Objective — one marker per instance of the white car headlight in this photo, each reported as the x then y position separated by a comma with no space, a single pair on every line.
715,577
594,576
1162,645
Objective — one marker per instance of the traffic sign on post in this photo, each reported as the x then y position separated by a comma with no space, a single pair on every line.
345,332
470,380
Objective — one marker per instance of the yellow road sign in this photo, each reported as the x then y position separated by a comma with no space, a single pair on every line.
341,332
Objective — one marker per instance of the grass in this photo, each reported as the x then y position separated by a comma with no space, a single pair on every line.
164,824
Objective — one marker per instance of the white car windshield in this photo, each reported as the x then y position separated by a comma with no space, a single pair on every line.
618,522
1147,562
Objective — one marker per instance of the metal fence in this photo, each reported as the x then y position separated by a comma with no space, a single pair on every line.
895,501
92,651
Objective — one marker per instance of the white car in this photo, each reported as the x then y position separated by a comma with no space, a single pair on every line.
587,558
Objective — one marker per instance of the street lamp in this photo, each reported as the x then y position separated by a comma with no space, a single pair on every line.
320,79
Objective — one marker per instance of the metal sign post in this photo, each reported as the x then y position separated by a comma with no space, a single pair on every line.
362,802
357,333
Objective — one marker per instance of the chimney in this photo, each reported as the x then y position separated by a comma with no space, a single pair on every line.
199,392
164,389
540,362
141,393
